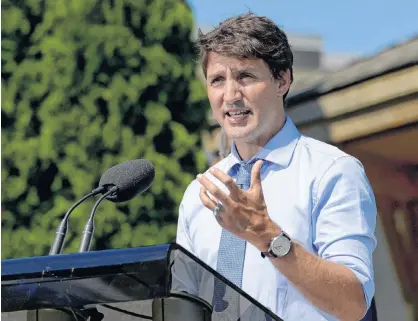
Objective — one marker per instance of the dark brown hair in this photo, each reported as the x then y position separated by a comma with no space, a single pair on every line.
248,36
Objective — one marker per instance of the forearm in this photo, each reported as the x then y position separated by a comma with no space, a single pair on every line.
331,287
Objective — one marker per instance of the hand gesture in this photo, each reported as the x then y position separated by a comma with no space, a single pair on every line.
243,212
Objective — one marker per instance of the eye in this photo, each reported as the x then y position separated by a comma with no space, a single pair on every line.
245,75
246,78
217,80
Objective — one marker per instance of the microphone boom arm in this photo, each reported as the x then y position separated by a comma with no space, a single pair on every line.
89,227
56,247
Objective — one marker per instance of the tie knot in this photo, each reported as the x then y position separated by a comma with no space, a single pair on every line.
244,175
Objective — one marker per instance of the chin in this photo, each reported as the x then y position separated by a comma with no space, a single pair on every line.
240,133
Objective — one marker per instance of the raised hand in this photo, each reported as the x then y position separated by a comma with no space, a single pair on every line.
244,212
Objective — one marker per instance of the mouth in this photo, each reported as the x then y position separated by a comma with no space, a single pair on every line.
237,113
238,117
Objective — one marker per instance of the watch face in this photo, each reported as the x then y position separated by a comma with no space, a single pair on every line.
281,246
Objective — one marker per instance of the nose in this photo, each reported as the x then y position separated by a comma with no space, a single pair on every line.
232,92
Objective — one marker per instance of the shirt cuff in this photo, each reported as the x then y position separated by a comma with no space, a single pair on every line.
368,287
358,259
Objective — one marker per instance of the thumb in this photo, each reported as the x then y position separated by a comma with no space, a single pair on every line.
256,175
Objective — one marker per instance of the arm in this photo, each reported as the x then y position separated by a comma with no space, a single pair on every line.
330,287
340,279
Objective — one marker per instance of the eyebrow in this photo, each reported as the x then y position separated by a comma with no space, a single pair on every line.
235,70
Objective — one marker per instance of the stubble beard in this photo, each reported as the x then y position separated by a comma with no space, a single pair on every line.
245,135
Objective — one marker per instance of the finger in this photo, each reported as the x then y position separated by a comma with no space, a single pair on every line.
212,188
225,179
206,200
256,175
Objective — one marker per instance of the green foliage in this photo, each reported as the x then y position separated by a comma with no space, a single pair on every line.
87,84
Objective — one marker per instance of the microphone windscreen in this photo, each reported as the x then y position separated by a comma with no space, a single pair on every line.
132,178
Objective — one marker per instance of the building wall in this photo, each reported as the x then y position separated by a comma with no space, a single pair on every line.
390,303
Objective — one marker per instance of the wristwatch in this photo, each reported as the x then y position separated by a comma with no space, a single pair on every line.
279,246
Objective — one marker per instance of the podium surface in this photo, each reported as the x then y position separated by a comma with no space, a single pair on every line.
123,284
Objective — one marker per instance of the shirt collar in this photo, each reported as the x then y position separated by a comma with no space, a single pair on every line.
278,150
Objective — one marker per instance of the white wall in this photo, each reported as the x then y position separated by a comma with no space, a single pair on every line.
389,299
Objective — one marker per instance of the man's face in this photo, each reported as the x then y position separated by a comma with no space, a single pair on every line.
245,98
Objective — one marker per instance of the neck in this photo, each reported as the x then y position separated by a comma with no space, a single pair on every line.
247,149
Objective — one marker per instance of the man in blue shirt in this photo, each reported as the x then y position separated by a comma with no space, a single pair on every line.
285,217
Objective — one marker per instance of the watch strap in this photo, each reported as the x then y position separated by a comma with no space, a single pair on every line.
268,254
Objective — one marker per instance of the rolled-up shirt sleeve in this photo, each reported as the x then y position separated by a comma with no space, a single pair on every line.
344,220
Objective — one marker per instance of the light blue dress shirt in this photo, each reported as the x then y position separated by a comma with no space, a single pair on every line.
318,195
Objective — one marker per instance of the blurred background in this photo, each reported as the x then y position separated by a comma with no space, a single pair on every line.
88,84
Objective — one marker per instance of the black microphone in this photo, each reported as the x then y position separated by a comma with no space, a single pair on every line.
121,183
131,178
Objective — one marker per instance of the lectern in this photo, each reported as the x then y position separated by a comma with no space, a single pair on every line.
162,282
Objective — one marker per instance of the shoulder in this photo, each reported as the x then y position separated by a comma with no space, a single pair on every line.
330,165
321,157
319,149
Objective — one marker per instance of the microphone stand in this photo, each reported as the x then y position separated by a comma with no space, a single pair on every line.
58,243
89,227
69,314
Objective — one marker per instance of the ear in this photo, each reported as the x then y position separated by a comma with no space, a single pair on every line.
283,83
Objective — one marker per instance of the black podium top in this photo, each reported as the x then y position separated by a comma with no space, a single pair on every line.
116,276
85,278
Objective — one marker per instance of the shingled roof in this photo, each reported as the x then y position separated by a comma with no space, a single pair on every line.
391,59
